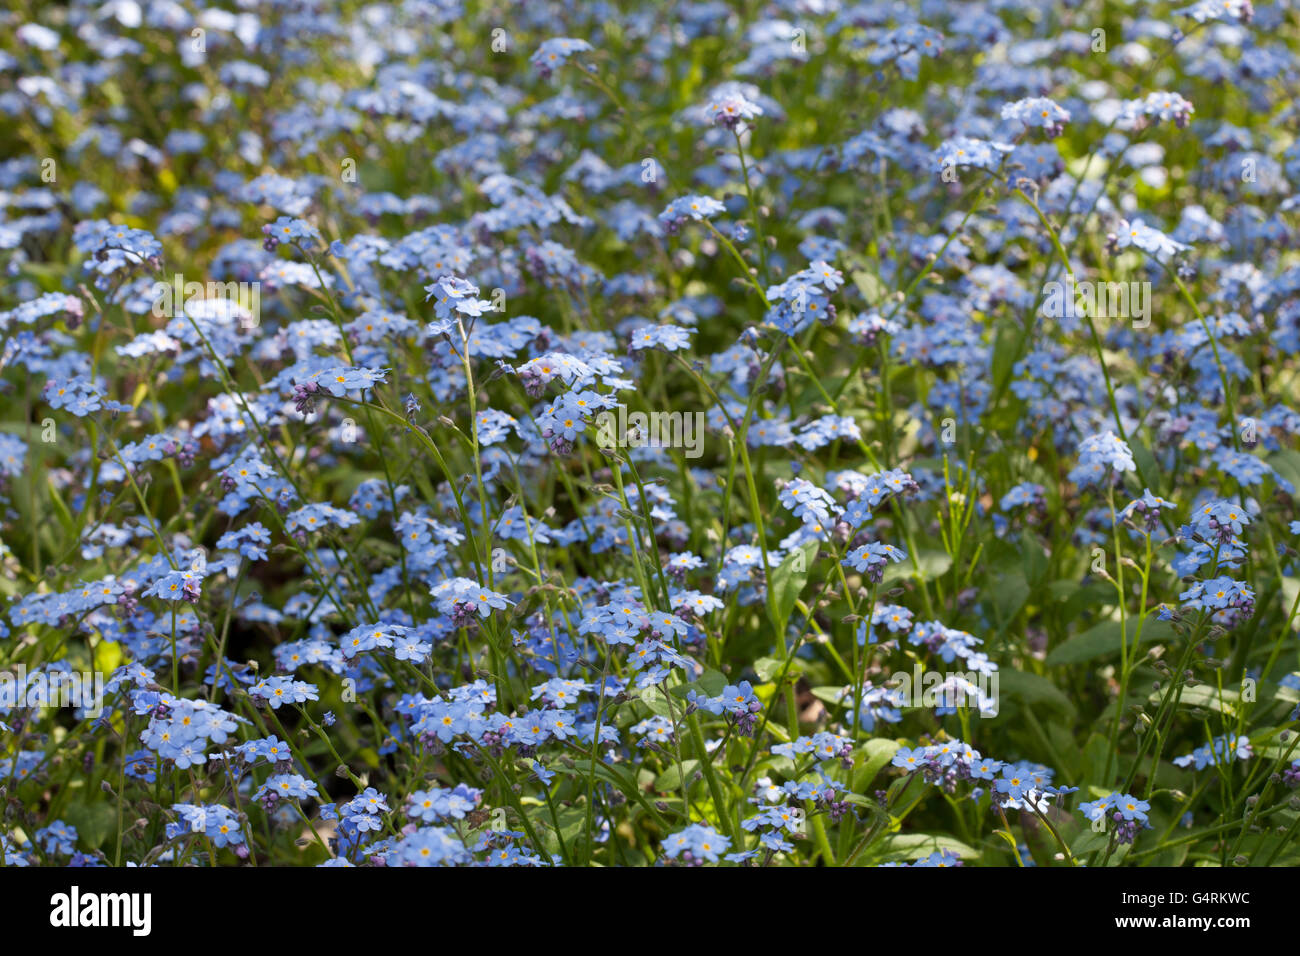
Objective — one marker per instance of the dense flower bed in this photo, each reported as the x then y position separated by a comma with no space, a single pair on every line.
798,433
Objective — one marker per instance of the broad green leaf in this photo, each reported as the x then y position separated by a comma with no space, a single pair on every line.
1088,841
769,668
671,778
1286,694
914,846
1287,464
869,760
95,822
1103,640
1004,353
1173,856
710,684
1094,756
1034,559
653,698
1010,593
1224,701
931,564
872,289
107,656
788,580
830,693
1033,689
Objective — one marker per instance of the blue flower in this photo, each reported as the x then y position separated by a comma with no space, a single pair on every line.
555,52
700,842
695,208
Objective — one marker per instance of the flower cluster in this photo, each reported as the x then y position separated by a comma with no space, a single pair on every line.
588,441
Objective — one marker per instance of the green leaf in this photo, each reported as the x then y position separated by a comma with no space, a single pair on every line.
621,777
573,824
1004,353
914,846
1033,689
95,822
107,656
1035,559
1075,599
1062,590
1011,593
869,760
1142,457
1287,695
872,289
769,668
671,779
1095,752
1287,464
930,564
1011,842
1103,640
1289,588
1173,856
788,580
1088,841
655,700
830,693
1207,696
710,684
64,516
